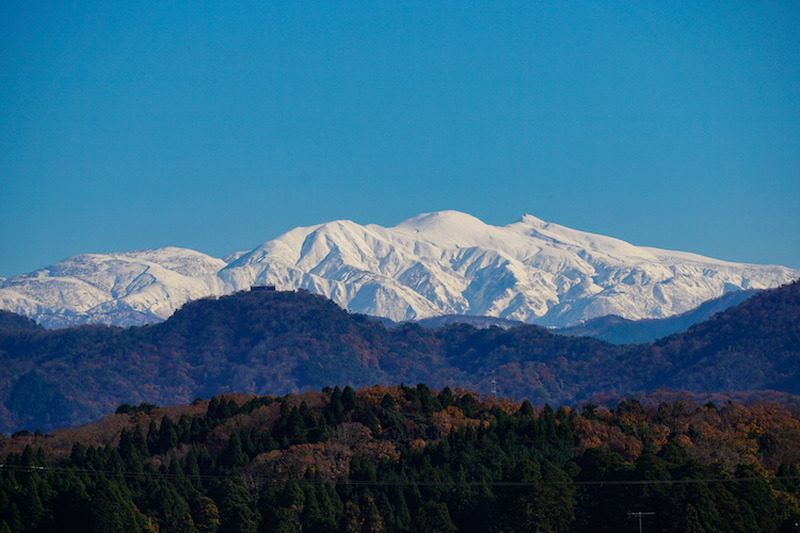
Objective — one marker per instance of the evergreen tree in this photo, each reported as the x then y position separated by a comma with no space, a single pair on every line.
78,455
113,512
233,455
349,399
434,517
205,513
167,436
71,505
691,521
236,508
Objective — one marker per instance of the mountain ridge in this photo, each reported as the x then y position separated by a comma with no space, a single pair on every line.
618,330
276,342
433,264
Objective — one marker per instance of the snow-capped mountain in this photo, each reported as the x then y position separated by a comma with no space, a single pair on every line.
124,289
434,264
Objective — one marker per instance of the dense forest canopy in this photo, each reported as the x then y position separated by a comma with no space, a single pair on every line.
403,458
270,342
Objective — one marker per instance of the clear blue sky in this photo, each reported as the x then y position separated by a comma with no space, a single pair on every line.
218,127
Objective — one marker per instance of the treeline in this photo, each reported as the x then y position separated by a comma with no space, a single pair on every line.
280,342
407,459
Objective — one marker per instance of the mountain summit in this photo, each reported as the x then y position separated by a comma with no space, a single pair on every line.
439,263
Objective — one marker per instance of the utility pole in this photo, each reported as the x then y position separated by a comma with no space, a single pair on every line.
639,515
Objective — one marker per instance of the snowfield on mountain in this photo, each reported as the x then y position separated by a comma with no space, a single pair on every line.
441,263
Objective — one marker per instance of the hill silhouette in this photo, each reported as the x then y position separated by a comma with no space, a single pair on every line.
618,330
13,322
270,342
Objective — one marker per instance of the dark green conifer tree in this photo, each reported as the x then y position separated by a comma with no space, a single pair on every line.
78,455
114,512
71,505
205,513
349,399
236,508
167,436
434,517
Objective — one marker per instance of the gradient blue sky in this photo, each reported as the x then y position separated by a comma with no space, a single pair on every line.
218,127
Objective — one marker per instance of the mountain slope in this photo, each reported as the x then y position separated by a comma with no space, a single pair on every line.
254,342
452,263
618,330
276,342
129,288
756,343
443,263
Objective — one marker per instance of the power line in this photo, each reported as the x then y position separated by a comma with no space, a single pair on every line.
425,483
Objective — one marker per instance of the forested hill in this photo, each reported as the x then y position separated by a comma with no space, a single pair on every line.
407,459
618,330
10,322
268,342
756,342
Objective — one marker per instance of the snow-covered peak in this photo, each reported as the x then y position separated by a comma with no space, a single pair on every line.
532,221
451,229
438,263
133,287
440,221
451,262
